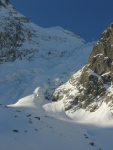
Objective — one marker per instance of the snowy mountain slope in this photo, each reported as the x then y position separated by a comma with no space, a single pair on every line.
98,125
87,96
33,56
25,125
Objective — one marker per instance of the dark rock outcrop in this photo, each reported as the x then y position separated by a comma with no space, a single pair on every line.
14,33
92,85
101,58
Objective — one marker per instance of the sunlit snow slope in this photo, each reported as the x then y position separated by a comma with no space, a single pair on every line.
27,125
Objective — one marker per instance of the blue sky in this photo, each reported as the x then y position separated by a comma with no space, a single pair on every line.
88,18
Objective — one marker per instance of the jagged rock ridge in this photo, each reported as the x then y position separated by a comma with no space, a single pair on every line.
92,85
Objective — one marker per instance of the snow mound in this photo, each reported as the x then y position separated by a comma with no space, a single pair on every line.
31,101
55,109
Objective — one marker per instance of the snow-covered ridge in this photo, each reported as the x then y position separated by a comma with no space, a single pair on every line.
25,39
43,57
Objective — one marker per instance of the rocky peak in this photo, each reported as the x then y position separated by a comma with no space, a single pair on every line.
93,84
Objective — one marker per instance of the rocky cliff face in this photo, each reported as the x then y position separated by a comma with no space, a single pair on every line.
101,57
92,85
